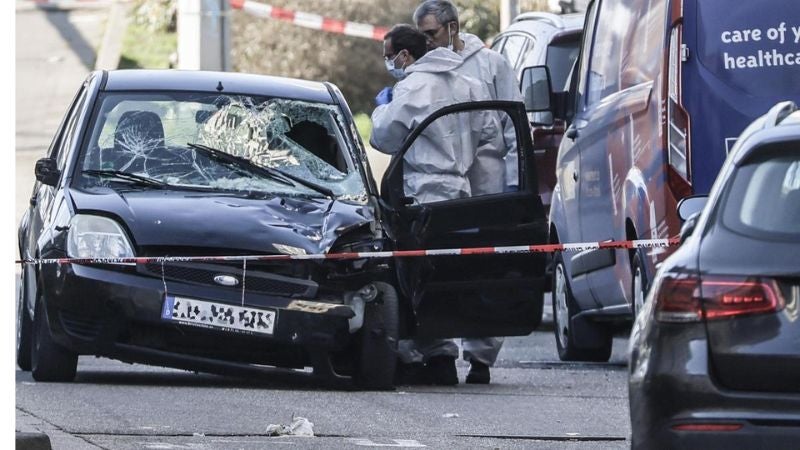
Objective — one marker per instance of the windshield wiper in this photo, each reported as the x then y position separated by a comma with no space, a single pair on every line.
275,174
127,176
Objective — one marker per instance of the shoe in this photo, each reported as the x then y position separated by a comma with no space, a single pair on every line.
411,374
478,373
442,370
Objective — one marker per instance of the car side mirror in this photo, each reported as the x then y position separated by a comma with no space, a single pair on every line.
688,226
690,206
689,210
47,171
536,89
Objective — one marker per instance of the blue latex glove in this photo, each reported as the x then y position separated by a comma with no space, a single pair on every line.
384,96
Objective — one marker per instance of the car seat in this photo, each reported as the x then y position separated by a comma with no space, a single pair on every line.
139,135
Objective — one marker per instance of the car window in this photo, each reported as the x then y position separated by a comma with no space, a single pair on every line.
68,122
513,48
604,69
586,47
764,195
223,142
497,45
71,131
561,55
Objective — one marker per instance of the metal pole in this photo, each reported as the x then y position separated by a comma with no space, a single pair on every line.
509,9
203,35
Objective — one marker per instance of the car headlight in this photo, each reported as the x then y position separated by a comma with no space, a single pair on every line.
97,237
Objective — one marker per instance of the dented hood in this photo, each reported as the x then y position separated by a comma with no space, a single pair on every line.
224,222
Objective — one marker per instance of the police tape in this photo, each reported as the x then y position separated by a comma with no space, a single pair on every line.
308,20
540,248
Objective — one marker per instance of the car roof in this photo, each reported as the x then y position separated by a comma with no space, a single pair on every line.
780,123
559,22
209,81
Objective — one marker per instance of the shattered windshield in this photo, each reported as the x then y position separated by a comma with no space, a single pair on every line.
232,143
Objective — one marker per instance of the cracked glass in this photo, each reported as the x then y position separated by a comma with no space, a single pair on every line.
233,143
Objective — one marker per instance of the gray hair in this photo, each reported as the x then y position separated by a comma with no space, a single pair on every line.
443,10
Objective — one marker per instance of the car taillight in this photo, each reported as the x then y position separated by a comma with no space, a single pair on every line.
691,299
677,120
732,298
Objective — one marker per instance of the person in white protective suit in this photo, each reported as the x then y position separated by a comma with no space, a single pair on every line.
438,164
494,171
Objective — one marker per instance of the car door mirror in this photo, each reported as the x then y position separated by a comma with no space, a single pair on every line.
688,226
536,89
690,206
47,171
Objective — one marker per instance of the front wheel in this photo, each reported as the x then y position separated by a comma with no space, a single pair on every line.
24,327
49,361
377,351
639,283
564,308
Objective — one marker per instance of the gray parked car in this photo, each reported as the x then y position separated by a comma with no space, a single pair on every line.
714,355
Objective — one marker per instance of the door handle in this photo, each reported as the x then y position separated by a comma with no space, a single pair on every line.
575,176
572,133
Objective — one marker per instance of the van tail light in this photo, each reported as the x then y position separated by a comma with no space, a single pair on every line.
678,151
690,299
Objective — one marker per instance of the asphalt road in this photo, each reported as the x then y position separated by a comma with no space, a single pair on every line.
534,401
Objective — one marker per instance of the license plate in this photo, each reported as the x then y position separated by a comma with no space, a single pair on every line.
220,316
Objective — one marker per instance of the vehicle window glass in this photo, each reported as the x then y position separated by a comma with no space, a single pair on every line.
561,56
754,48
460,155
514,47
497,45
586,47
604,69
764,196
243,142
70,131
646,38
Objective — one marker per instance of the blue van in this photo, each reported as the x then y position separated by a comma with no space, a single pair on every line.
658,95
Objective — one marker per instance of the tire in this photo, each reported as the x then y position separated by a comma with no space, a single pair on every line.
49,361
564,308
377,346
638,283
24,327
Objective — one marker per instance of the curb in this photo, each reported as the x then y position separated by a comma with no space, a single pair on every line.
32,441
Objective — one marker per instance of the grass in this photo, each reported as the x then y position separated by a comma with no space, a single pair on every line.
364,125
146,49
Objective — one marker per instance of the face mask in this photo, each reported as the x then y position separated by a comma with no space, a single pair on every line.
396,72
450,37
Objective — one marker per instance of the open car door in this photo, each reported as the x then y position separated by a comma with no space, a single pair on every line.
471,295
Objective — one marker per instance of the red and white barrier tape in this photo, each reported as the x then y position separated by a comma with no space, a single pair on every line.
308,20
542,248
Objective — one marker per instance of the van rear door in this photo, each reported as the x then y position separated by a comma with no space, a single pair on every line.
739,61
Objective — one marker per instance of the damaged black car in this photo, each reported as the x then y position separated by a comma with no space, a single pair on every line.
173,180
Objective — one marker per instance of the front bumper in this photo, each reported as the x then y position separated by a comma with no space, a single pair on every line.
118,313
671,385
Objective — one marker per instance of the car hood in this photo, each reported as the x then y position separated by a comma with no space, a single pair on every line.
156,218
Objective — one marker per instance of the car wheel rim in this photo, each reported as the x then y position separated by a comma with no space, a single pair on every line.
638,291
560,301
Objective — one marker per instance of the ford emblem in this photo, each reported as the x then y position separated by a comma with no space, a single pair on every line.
226,280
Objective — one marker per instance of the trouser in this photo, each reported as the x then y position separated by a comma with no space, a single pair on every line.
483,350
